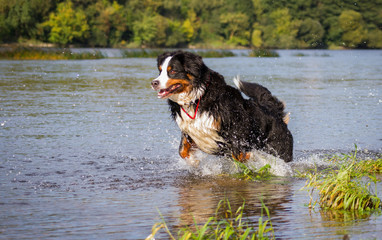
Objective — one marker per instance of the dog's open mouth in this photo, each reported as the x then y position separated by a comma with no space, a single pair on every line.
164,93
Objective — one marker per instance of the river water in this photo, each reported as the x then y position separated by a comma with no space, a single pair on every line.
87,151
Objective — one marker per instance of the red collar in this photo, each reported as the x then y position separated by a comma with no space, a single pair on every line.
197,105
196,110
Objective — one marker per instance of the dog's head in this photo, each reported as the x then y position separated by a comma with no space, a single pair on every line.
180,77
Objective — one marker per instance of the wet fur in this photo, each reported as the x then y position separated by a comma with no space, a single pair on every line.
235,124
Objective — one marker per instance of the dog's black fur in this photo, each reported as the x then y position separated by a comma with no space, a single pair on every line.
243,124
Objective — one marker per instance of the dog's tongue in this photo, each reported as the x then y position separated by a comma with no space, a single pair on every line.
163,93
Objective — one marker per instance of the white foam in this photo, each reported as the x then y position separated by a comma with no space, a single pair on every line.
210,165
278,166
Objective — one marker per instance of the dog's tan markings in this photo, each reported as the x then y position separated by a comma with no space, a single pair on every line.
190,76
216,124
160,68
186,86
185,148
169,68
242,157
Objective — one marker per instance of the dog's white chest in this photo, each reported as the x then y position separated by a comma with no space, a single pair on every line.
203,130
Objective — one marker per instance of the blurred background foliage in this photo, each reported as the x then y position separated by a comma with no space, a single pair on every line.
194,23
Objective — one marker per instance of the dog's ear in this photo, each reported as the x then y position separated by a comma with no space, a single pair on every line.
192,64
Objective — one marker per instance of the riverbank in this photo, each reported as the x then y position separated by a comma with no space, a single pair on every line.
43,53
18,52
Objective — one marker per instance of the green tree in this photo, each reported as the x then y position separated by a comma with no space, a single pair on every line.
162,24
108,23
148,27
354,32
208,15
138,7
145,30
333,33
175,34
210,32
374,38
256,39
67,24
213,23
311,33
280,30
235,27
191,26
20,18
4,29
258,10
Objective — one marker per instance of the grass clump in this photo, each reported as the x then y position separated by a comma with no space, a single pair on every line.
29,53
263,53
226,224
300,55
346,186
247,173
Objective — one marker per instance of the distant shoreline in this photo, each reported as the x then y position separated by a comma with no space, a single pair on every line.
54,52
23,52
191,47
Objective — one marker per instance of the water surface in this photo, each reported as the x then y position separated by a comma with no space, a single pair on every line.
88,151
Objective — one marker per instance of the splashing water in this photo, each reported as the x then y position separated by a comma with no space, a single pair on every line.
278,166
210,165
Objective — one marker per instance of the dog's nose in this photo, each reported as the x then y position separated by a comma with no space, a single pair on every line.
155,84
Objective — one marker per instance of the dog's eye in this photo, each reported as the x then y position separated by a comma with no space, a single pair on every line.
172,72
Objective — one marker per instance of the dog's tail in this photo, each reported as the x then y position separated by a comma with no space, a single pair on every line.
263,97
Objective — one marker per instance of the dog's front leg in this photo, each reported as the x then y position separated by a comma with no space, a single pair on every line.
242,156
186,150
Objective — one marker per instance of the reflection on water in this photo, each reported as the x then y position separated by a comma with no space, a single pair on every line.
88,151
199,198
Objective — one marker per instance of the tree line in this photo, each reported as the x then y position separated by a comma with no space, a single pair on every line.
194,23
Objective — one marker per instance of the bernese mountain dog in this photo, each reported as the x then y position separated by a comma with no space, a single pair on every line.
214,117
